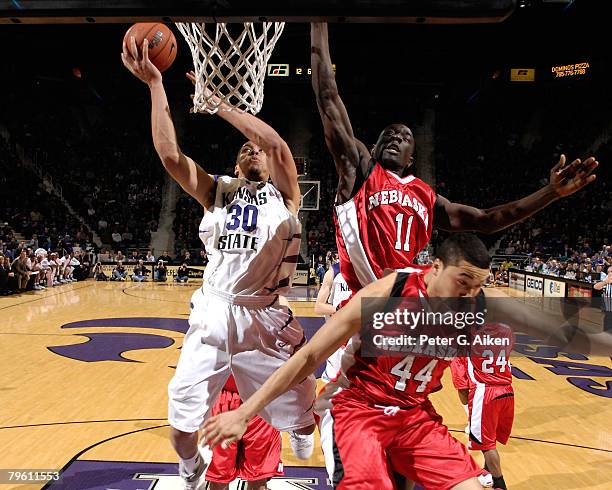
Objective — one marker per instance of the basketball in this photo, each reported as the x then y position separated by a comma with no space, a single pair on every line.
162,43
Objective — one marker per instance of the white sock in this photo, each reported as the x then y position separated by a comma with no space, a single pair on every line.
467,410
191,464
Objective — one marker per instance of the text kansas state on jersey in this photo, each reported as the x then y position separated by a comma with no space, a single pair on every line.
251,238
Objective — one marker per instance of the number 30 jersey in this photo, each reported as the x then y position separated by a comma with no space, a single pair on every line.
383,226
251,238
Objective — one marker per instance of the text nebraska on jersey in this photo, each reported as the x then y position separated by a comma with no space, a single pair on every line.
393,196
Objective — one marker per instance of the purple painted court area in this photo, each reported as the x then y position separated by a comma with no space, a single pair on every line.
111,346
116,475
104,475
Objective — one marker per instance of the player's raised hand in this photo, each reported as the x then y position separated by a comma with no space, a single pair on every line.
225,428
140,65
566,179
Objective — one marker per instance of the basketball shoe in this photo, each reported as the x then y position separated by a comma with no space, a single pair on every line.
486,479
197,479
302,444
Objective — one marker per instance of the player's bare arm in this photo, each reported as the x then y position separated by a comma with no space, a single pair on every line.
322,307
572,335
188,174
230,426
350,155
564,181
280,160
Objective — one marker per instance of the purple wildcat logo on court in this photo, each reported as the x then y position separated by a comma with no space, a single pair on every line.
113,346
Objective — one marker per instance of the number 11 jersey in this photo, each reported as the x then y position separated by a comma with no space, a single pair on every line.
383,226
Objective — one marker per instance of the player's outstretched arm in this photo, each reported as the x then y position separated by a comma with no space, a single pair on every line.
189,175
573,334
564,181
230,426
280,160
350,155
322,307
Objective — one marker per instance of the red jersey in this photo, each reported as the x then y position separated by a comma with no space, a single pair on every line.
395,380
489,363
384,226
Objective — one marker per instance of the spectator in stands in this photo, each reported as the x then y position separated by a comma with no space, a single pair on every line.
119,257
20,269
117,239
501,277
86,259
320,269
55,268
490,280
182,274
149,257
99,273
202,258
105,256
7,276
165,257
119,273
127,237
551,268
35,273
140,272
161,271
45,268
186,258
135,256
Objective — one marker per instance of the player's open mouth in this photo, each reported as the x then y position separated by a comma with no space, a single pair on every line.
394,150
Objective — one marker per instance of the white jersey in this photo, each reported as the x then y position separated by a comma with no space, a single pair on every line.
340,291
252,239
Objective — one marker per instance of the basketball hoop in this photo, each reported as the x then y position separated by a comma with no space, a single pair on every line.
230,69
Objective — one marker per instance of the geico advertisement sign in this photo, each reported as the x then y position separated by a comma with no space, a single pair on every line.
534,285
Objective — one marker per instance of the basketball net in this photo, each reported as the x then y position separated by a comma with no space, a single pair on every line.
230,70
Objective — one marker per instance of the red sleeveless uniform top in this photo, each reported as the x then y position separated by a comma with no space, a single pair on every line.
383,226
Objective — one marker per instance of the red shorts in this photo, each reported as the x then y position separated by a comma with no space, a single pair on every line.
255,457
459,372
491,415
368,446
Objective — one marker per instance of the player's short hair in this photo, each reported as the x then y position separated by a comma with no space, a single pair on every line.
464,246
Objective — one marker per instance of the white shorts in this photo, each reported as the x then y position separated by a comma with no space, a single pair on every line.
249,337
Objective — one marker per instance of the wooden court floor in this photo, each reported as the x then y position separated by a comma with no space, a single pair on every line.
85,369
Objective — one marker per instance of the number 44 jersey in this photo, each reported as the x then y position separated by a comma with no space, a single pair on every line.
383,226
251,238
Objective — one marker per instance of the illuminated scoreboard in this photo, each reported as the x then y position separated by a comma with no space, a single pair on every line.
577,70
285,70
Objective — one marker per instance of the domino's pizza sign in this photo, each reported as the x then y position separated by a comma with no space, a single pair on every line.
534,285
